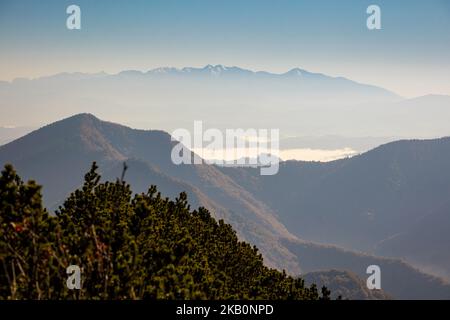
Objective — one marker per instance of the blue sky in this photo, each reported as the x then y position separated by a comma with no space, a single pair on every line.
410,55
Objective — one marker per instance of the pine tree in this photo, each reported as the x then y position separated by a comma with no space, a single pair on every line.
128,247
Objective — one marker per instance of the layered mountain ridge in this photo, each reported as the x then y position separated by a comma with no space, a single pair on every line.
58,154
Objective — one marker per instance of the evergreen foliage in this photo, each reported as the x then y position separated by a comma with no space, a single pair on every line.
128,247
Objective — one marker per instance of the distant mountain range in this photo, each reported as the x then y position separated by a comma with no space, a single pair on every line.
211,93
349,202
302,104
220,71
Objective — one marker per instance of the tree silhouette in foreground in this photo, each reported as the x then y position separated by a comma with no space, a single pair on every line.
128,247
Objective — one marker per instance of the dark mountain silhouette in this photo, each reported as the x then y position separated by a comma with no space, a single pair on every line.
398,279
397,191
426,243
344,284
57,155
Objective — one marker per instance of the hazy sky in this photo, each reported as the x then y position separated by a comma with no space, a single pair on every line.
410,55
